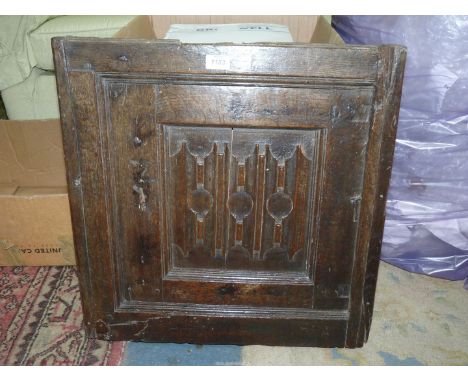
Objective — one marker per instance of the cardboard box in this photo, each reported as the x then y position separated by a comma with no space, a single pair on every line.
35,224
304,29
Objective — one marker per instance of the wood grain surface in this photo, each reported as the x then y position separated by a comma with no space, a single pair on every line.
243,205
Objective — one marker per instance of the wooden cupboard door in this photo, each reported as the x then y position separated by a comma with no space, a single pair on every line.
227,207
235,215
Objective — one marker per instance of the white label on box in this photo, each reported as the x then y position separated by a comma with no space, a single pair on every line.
216,61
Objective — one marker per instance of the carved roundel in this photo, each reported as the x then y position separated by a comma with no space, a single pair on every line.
279,205
200,202
240,205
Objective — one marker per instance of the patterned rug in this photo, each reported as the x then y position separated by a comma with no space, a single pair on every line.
41,320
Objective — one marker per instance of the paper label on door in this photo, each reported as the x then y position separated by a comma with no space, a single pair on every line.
216,61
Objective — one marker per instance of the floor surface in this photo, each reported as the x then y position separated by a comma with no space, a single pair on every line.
418,320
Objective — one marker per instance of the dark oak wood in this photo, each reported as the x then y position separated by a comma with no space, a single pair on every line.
239,205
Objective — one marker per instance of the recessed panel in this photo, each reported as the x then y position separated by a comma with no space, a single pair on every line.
241,199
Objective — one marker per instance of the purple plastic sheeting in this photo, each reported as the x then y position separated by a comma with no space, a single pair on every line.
426,229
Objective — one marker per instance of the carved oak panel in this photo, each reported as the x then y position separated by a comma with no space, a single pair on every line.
240,188
241,206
